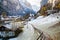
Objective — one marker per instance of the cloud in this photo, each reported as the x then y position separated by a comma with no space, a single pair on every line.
35,4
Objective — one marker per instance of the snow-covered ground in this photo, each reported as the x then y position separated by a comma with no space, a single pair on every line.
26,34
41,23
48,25
46,21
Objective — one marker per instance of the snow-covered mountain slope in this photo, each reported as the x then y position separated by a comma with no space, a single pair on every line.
16,7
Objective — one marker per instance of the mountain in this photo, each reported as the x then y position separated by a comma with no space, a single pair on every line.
16,7
21,7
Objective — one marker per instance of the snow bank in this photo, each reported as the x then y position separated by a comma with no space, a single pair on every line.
49,25
44,23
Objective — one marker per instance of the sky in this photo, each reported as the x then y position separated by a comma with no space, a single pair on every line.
35,4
